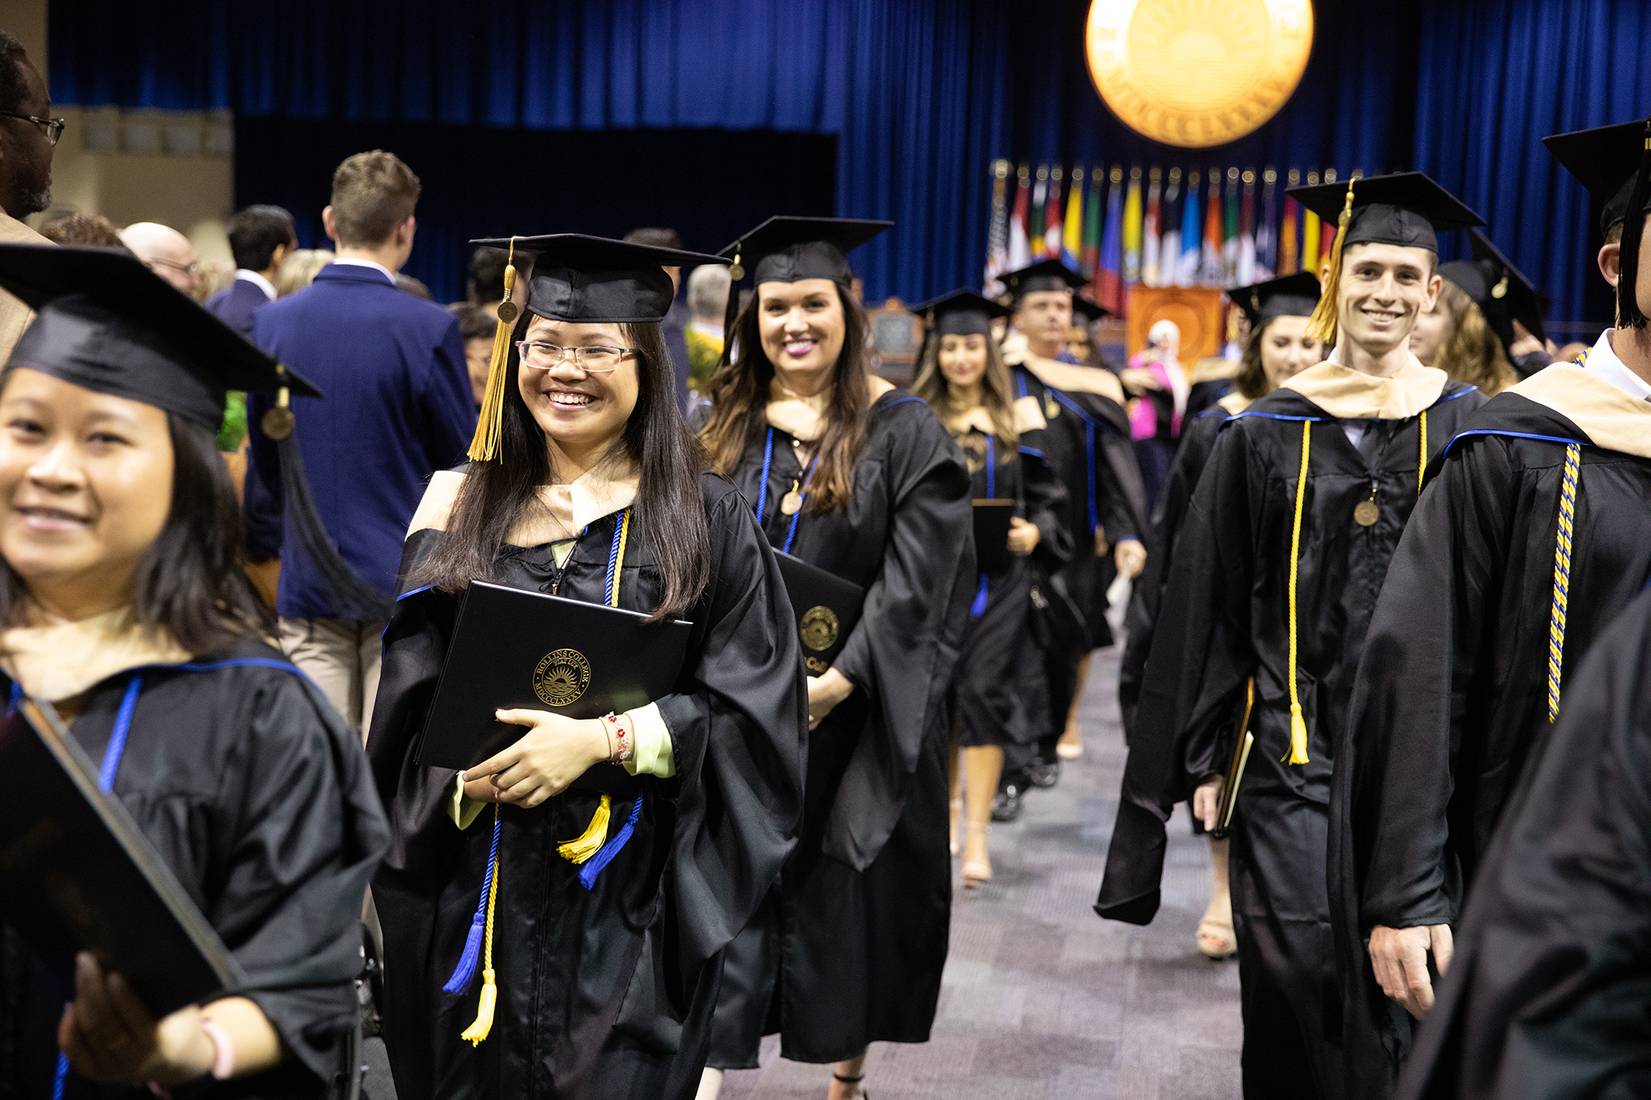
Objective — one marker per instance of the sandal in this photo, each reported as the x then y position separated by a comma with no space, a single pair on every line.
977,863
862,1093
1216,939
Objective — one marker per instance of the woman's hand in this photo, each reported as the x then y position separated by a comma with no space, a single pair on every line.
1138,380
110,1036
1130,557
554,752
1023,536
1206,801
825,691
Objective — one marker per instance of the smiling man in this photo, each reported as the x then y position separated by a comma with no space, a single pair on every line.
1285,545
27,135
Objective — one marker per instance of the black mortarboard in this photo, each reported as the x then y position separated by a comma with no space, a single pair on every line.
106,322
576,278
1040,276
1089,309
1286,296
785,249
960,313
1402,208
1614,164
1502,294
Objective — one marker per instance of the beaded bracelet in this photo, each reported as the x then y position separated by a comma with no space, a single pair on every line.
621,745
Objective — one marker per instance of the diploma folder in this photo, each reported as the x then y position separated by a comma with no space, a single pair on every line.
76,873
826,607
991,522
516,649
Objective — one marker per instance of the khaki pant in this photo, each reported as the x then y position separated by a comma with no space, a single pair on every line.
342,657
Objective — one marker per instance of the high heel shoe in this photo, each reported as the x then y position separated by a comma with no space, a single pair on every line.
859,1088
957,818
977,863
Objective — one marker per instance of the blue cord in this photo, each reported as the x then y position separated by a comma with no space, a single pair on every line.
762,486
762,490
613,559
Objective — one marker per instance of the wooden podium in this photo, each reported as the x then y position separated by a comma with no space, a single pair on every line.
1196,310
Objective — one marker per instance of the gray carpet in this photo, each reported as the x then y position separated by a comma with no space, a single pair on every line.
1042,999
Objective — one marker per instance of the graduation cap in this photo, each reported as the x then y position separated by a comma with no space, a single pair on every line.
1614,164
1402,208
1286,296
1089,309
576,278
1041,276
1501,292
786,249
960,313
107,323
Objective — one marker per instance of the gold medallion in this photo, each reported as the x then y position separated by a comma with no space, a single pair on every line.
561,677
818,628
791,503
1197,73
1051,408
276,423
1366,513
508,311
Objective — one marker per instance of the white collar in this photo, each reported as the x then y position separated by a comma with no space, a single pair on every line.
351,261
1603,361
256,280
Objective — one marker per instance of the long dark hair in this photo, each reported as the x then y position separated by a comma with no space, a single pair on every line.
190,582
739,393
670,502
995,390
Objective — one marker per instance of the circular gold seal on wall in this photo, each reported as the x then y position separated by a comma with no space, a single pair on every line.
561,677
818,628
1197,73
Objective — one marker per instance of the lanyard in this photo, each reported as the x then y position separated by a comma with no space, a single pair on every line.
762,490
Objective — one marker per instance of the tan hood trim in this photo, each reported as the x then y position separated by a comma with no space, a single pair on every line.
1349,394
1609,417
59,659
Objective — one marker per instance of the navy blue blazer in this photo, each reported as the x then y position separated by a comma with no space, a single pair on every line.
397,408
234,304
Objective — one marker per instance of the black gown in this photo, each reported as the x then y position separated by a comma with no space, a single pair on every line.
1451,699
257,796
1224,620
605,991
849,948
989,702
1549,994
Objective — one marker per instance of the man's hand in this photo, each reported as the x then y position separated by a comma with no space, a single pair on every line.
1206,801
1399,957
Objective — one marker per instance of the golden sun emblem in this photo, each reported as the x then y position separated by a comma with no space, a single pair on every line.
561,677
1196,73
818,628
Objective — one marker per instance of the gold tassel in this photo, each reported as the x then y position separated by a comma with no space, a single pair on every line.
477,1031
485,444
1322,324
1298,724
589,842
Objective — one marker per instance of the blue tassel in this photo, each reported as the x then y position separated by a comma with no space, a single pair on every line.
978,608
466,969
593,867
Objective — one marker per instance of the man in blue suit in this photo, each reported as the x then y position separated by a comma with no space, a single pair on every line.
397,408
260,237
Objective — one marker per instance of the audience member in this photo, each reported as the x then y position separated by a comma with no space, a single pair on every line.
93,230
166,252
399,408
707,303
476,325
260,239
416,287
486,282
298,270
676,321
27,135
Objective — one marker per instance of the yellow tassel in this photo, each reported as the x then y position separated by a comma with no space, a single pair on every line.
1322,324
477,1031
588,843
1421,456
485,444
1298,724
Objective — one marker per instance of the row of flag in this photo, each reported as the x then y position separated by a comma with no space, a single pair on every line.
1130,226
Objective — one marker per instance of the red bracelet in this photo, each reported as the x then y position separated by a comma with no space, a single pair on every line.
624,747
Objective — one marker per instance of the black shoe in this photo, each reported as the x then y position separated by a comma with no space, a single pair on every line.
1007,805
1044,773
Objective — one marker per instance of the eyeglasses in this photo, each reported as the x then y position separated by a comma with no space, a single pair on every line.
52,126
192,269
592,359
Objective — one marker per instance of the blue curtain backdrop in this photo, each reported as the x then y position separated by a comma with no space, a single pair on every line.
919,96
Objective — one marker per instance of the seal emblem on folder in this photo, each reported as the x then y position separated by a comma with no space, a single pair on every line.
561,677
818,628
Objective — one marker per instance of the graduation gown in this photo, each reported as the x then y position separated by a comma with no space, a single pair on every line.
257,797
605,991
1226,618
850,947
1550,990
1452,695
989,703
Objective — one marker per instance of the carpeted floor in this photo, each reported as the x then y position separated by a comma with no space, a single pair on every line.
1042,999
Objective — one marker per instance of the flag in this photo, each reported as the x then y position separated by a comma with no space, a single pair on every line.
1246,231
1020,247
1192,235
1289,251
1229,228
1310,234
1072,233
1109,289
1266,233
1052,217
1209,271
1091,257
997,233
1327,230
1169,249
1034,227
1149,229
1132,229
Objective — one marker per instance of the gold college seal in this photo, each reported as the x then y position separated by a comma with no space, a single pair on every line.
561,677
818,628
1197,73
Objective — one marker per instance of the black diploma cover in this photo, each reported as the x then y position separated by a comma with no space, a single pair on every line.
991,520
826,606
